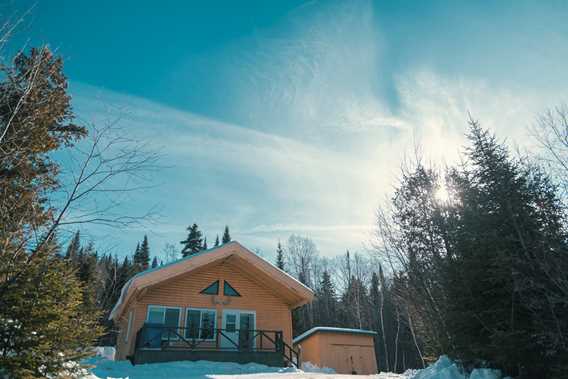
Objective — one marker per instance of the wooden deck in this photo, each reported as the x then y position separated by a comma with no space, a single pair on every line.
157,343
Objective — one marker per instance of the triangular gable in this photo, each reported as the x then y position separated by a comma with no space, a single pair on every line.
290,289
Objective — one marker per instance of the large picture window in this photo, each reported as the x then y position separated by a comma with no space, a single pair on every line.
200,323
165,316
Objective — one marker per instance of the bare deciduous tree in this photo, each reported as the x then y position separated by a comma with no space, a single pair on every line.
302,254
551,134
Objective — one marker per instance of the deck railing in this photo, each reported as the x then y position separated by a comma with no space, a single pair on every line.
155,336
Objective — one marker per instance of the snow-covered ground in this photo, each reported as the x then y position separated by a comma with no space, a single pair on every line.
107,369
104,368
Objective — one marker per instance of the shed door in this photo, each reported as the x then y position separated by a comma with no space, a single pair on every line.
350,359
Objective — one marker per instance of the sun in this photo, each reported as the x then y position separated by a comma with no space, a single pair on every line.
442,195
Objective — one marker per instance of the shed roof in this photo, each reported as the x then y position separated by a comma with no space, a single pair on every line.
329,329
291,290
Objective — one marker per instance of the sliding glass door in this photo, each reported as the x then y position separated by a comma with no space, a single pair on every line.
238,327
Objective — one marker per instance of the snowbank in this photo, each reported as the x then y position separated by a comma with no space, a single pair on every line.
310,367
104,368
445,368
106,352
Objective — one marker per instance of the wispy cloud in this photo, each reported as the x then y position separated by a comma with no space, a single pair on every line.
315,144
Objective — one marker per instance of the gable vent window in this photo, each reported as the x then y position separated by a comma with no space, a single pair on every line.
213,289
228,290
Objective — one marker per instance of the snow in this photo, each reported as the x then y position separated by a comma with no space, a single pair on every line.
445,368
310,367
107,369
106,352
102,368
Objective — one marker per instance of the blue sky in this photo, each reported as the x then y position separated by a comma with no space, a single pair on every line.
281,117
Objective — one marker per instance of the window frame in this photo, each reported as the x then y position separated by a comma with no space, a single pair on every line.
218,282
164,308
238,326
200,321
226,283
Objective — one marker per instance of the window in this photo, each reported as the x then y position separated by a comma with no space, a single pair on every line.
228,290
231,323
200,323
213,289
166,316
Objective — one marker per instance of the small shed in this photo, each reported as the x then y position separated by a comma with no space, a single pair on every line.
347,351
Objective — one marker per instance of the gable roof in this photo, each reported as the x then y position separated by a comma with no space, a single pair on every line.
329,329
293,292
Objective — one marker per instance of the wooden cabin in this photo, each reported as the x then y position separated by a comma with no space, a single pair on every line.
221,304
347,351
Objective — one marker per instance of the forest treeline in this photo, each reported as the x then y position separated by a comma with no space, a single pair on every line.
350,291
482,270
469,260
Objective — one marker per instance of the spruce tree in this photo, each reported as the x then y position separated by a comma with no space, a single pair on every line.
141,258
46,322
510,246
125,272
216,241
87,274
193,243
109,283
205,243
155,262
280,257
375,300
42,323
73,247
226,236
326,301
144,257
136,258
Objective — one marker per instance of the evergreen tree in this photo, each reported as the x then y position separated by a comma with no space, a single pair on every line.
420,218
73,247
508,239
226,235
155,262
280,257
355,303
301,320
216,241
109,283
193,243
480,272
125,272
326,301
144,257
136,258
49,320
383,321
141,258
205,243
42,324
87,274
